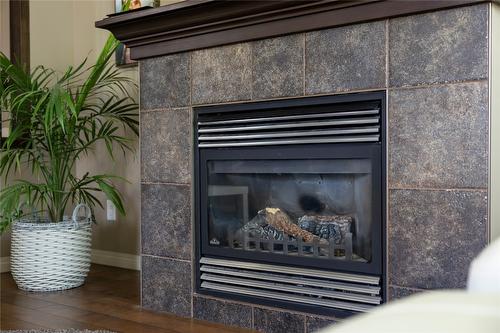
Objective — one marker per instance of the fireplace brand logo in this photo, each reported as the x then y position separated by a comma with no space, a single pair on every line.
214,241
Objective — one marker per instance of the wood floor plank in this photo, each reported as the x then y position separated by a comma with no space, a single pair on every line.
67,312
100,321
41,319
125,326
18,299
108,300
12,323
131,312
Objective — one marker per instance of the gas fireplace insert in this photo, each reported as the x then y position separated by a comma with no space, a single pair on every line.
290,202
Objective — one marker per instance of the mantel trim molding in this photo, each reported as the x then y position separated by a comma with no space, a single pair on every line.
196,24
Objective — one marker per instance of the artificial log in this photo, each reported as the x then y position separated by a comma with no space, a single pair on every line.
254,228
258,227
280,221
331,227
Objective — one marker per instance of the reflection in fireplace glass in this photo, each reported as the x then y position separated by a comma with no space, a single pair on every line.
307,208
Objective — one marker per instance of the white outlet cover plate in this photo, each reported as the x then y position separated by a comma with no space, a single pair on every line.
110,211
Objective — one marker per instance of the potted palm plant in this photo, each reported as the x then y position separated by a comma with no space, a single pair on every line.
56,119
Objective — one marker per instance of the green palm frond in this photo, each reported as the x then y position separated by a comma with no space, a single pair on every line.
56,119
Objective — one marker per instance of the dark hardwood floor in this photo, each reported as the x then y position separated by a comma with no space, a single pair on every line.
108,300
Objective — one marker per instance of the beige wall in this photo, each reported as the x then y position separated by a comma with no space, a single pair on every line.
51,33
123,235
62,33
4,27
168,2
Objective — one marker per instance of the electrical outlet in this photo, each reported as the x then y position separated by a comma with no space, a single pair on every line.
110,211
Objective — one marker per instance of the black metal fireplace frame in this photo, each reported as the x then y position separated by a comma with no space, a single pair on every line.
377,151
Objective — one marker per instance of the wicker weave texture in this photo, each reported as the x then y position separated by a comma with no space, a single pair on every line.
50,256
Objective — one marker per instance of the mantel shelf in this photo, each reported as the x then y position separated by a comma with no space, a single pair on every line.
196,24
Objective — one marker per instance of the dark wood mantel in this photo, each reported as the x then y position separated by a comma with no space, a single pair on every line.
196,24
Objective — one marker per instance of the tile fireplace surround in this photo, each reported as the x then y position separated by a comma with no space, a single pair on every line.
434,68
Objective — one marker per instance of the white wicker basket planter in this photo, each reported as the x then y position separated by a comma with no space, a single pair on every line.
49,256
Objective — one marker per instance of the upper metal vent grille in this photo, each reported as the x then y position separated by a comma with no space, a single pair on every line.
361,125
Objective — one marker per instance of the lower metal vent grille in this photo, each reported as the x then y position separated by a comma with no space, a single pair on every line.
353,292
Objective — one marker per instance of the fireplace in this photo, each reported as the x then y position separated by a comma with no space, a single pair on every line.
234,61
290,202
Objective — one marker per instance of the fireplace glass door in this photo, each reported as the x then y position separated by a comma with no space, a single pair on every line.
320,209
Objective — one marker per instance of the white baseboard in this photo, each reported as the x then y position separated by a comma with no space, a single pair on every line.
116,259
108,258
4,264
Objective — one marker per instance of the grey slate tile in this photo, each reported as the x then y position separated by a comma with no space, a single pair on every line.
224,312
222,74
166,285
278,67
165,82
434,235
438,136
399,292
166,146
166,220
346,58
443,46
314,324
273,321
